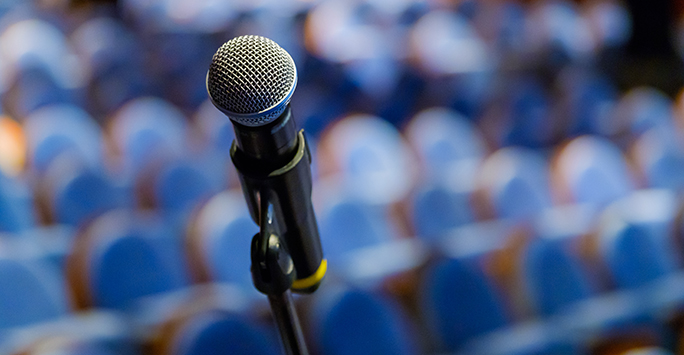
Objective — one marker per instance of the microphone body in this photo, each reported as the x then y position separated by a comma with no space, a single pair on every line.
284,179
251,80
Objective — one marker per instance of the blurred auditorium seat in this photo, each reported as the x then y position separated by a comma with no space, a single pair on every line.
41,69
59,129
352,321
351,224
146,130
369,158
553,277
447,144
31,292
113,62
203,319
120,258
73,194
179,186
438,208
219,333
659,155
461,303
450,149
527,112
219,240
515,180
16,205
586,102
634,240
214,129
590,169
639,110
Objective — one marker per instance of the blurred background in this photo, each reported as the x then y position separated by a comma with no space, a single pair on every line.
490,177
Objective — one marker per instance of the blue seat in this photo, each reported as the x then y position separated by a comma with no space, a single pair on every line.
215,127
634,238
437,209
527,111
554,278
351,225
370,157
642,109
517,182
614,21
180,185
635,258
45,69
78,193
358,322
30,292
560,35
593,170
184,53
123,257
16,205
148,129
585,98
216,332
660,157
223,231
63,129
460,303
444,141
114,60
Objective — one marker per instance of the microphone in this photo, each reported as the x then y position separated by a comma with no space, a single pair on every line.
251,80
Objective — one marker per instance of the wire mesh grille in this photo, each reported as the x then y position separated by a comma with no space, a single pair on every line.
249,75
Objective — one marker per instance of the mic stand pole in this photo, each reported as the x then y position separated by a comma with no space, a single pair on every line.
273,274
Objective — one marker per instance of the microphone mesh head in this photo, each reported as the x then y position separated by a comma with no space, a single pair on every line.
251,79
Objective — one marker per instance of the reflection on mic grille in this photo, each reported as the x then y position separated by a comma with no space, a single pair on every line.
251,79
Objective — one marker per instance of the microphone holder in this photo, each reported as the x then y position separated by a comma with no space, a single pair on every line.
273,274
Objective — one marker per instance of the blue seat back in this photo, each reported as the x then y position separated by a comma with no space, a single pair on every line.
460,303
361,323
221,333
30,292
554,278
437,209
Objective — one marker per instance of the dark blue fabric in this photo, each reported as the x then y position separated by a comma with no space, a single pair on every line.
437,209
230,251
461,303
228,334
179,186
127,269
29,293
351,225
362,324
555,279
635,256
85,195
